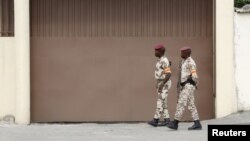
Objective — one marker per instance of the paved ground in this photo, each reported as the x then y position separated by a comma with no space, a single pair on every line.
109,132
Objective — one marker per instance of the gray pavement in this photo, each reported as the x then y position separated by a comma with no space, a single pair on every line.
109,132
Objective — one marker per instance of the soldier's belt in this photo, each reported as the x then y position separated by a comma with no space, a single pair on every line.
190,81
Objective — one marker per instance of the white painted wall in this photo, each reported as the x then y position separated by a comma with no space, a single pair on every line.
7,76
22,43
242,58
15,67
226,98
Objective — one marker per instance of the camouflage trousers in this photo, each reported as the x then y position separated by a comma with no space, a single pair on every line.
162,108
186,98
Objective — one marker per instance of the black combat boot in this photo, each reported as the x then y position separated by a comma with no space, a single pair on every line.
196,126
173,124
154,122
165,122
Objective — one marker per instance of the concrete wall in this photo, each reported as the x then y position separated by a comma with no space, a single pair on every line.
15,67
226,99
242,50
22,43
7,76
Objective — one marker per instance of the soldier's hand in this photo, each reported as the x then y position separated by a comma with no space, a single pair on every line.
178,87
178,90
160,88
190,77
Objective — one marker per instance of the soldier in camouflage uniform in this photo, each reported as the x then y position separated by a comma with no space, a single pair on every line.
187,83
162,76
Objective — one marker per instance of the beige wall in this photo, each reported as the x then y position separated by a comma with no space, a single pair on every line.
22,43
242,49
14,67
7,76
226,100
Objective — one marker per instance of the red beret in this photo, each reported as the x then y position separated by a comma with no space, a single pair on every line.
159,46
185,48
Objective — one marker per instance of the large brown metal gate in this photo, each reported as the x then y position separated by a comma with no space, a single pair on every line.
92,60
